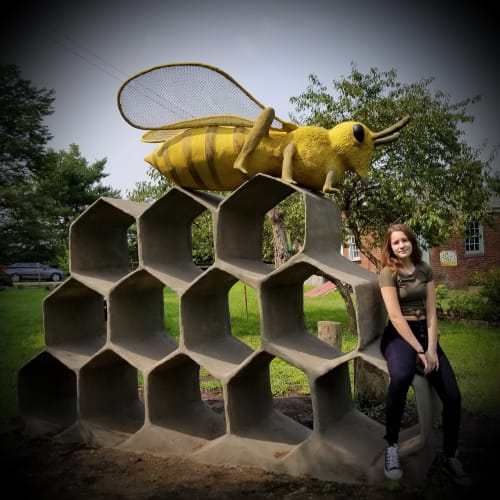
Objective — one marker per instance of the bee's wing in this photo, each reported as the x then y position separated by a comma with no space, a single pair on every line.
164,133
160,135
184,95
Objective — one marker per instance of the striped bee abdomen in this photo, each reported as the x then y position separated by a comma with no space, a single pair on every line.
202,158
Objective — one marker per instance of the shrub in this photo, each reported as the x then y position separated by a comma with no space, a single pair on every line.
490,283
466,305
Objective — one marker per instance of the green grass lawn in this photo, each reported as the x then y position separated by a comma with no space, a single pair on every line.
474,351
21,338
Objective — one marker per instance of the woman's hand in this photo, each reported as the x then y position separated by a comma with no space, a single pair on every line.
430,361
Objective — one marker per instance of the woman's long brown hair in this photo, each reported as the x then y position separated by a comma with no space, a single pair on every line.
388,257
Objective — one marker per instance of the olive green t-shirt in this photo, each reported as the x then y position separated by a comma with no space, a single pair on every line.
411,288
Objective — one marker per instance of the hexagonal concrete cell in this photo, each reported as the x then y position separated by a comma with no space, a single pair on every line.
241,218
74,321
284,331
239,231
136,319
333,396
345,444
244,314
282,291
174,399
164,234
98,241
206,325
110,407
250,407
47,393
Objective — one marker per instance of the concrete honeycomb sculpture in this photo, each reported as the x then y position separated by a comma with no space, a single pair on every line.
104,327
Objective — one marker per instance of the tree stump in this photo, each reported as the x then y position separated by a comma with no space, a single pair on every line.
331,333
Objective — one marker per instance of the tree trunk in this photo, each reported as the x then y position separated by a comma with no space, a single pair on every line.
345,292
280,245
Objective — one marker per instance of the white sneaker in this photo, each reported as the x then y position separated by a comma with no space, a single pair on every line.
392,467
454,468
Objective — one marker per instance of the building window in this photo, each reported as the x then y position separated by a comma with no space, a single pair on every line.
353,249
474,238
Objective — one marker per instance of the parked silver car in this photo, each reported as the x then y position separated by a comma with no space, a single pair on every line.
34,271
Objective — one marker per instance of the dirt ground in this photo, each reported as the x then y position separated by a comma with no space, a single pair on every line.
44,468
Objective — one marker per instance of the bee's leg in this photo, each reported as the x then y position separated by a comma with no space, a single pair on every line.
332,179
287,167
257,132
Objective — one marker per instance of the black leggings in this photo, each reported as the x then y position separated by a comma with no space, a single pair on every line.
401,363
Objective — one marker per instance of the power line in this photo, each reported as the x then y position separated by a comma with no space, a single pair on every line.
93,54
155,97
76,53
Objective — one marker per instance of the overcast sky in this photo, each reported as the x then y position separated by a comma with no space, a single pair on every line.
86,50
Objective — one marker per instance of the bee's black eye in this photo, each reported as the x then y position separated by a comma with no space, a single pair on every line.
359,132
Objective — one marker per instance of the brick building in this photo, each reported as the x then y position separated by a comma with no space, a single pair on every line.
455,263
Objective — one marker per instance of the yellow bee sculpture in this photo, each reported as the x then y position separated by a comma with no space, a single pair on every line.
214,135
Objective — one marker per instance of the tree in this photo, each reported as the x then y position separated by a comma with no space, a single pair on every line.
23,140
60,191
149,191
41,190
284,230
68,185
280,246
430,178
23,136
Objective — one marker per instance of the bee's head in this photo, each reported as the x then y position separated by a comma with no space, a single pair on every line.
354,143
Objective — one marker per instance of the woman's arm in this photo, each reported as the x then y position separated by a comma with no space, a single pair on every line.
432,325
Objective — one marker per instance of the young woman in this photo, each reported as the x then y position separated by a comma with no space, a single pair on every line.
410,339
